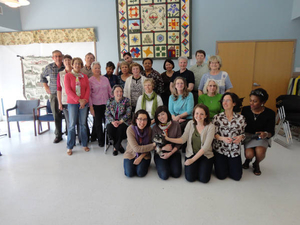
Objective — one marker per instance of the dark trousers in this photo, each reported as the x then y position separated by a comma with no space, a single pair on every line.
132,170
200,169
57,114
195,95
117,134
227,166
168,167
99,119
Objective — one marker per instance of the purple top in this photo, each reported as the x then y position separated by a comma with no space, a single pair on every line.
100,91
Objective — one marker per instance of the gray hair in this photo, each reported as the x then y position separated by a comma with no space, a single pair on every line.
206,85
184,58
95,63
116,86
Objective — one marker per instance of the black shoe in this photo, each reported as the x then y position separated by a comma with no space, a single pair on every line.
121,150
93,139
115,152
101,144
246,164
57,140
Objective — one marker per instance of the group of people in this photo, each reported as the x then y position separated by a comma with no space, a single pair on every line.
192,110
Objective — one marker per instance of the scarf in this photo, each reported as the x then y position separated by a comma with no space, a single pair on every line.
165,127
77,82
153,97
142,139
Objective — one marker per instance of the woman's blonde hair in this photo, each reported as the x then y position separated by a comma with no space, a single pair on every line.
149,80
206,85
214,58
185,90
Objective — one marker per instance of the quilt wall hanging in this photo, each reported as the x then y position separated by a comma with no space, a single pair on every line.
156,29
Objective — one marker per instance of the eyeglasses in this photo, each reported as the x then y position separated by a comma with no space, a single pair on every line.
212,85
256,92
214,62
142,120
227,100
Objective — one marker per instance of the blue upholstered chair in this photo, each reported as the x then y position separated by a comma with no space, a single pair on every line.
25,111
48,117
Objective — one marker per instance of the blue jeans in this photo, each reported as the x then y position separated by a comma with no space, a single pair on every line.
200,169
140,170
74,114
227,166
168,167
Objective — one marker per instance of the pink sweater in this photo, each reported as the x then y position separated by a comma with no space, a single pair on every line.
70,86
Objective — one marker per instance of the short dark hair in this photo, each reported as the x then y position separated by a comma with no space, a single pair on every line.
110,64
206,110
261,94
169,61
148,59
127,53
200,52
67,57
235,99
160,109
141,111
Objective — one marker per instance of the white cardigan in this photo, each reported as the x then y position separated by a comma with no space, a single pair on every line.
128,85
148,105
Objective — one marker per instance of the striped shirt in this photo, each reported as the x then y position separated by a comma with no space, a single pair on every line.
51,70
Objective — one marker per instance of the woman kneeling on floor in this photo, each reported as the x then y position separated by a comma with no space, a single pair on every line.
168,161
199,134
137,157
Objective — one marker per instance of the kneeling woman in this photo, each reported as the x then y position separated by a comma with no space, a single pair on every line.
230,131
137,157
169,163
199,134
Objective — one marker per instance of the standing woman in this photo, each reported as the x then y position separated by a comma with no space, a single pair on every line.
211,98
134,85
78,92
181,103
100,93
137,157
221,77
260,121
149,72
199,134
125,74
149,101
118,115
166,76
230,131
169,163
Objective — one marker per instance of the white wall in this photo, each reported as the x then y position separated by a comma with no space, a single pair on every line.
296,10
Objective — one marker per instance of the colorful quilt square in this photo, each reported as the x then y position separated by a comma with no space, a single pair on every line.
173,38
134,39
122,3
160,51
148,52
135,52
123,19
153,17
133,12
184,17
173,51
173,10
123,36
160,38
185,33
123,28
185,25
133,2
184,7
147,39
134,26
185,42
173,24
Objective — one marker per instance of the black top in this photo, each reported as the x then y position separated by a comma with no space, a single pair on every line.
187,74
264,121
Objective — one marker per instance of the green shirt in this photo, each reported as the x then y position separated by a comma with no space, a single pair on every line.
196,141
213,104
198,73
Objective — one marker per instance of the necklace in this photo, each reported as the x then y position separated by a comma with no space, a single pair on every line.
257,115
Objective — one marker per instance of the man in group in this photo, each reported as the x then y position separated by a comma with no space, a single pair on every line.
89,59
199,69
52,70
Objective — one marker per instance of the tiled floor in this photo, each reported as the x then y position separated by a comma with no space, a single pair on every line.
41,184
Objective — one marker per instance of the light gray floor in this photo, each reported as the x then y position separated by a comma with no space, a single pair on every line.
41,184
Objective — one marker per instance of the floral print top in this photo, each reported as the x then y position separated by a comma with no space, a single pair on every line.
226,128
122,108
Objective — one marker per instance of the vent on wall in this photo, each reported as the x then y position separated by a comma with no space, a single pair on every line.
1,12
